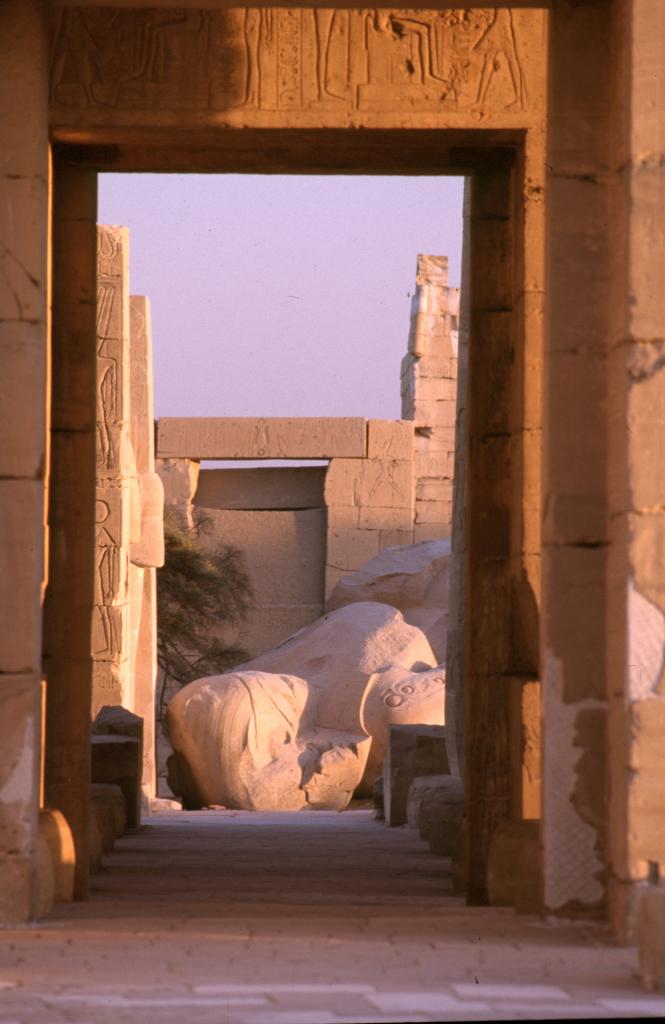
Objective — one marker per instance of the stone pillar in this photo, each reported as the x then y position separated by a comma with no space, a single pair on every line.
24,174
116,476
458,568
429,394
635,630
148,553
575,446
69,596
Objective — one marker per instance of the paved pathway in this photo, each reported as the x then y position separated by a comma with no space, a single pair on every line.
312,918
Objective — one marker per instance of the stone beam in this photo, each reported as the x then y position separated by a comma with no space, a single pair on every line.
264,438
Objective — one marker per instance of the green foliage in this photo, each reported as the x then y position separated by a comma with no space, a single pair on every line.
198,593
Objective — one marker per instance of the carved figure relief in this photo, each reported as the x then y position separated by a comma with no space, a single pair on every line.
114,57
271,59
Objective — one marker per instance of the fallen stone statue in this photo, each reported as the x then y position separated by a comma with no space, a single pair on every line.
305,725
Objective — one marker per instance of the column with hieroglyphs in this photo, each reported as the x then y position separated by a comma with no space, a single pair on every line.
429,395
115,474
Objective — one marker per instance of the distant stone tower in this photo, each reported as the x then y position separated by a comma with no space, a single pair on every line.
429,394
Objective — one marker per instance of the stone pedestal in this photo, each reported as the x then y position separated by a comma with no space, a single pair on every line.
413,750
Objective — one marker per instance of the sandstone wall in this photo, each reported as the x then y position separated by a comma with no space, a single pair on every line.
429,395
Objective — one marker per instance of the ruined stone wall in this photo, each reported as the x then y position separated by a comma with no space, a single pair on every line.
429,395
368,490
129,498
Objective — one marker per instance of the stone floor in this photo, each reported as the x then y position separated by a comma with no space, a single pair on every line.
225,917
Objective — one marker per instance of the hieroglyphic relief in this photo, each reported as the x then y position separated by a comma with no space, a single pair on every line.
109,630
114,58
272,59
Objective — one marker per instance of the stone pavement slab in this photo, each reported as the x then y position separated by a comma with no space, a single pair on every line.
301,918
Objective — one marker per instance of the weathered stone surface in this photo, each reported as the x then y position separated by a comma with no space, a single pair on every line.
431,800
444,818
340,652
261,438
284,555
413,750
404,577
20,713
180,479
651,937
249,741
358,671
514,867
21,555
299,487
110,812
57,834
389,439
117,759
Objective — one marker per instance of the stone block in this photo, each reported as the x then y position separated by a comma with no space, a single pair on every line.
514,867
284,551
443,815
437,464
280,488
376,518
432,439
434,489
57,834
342,486
349,549
436,389
23,405
435,805
118,759
109,811
248,437
651,937
413,750
22,283
22,559
389,439
343,516
386,483
440,413
432,531
432,511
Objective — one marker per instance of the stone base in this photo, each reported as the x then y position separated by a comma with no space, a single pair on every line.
109,812
514,867
435,806
651,937
57,835
413,750
118,756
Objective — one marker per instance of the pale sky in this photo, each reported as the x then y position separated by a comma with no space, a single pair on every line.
280,295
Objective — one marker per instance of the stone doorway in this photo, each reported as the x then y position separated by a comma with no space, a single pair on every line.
305,91
493,229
